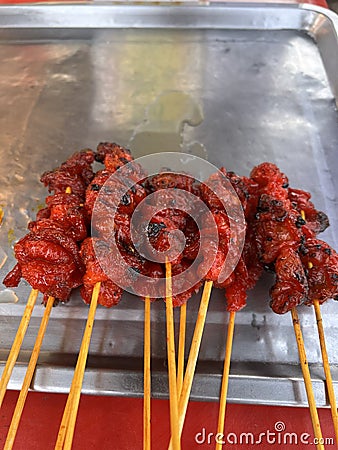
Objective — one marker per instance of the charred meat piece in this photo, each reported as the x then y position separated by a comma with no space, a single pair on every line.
276,224
105,149
97,256
217,193
114,190
110,294
192,239
111,196
114,157
93,191
166,212
76,173
320,262
170,180
246,189
291,287
251,259
316,221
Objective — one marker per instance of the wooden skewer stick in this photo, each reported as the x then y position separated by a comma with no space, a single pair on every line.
326,365
325,359
225,379
307,379
13,355
80,367
173,400
181,348
28,377
147,377
65,420
193,355
67,427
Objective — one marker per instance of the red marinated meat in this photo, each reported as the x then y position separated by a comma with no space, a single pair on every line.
187,283
316,221
215,236
159,232
31,244
285,226
12,279
43,213
65,212
49,261
53,279
270,181
166,211
105,149
251,258
48,256
76,173
94,251
170,180
210,268
93,191
320,262
110,294
281,225
236,286
115,157
246,189
291,287
276,225
192,237
217,193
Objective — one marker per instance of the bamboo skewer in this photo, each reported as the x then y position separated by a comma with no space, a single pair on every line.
225,379
173,400
28,377
13,355
307,379
147,378
64,422
326,365
80,367
193,355
67,427
181,348
325,359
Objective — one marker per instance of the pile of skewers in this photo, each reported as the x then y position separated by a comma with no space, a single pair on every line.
223,232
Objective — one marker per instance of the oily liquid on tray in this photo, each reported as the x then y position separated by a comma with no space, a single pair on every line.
164,126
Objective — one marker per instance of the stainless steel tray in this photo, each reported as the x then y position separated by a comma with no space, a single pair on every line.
263,84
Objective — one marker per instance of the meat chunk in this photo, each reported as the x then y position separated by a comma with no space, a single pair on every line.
320,262
49,260
291,287
76,173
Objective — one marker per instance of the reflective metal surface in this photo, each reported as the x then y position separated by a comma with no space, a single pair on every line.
263,82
